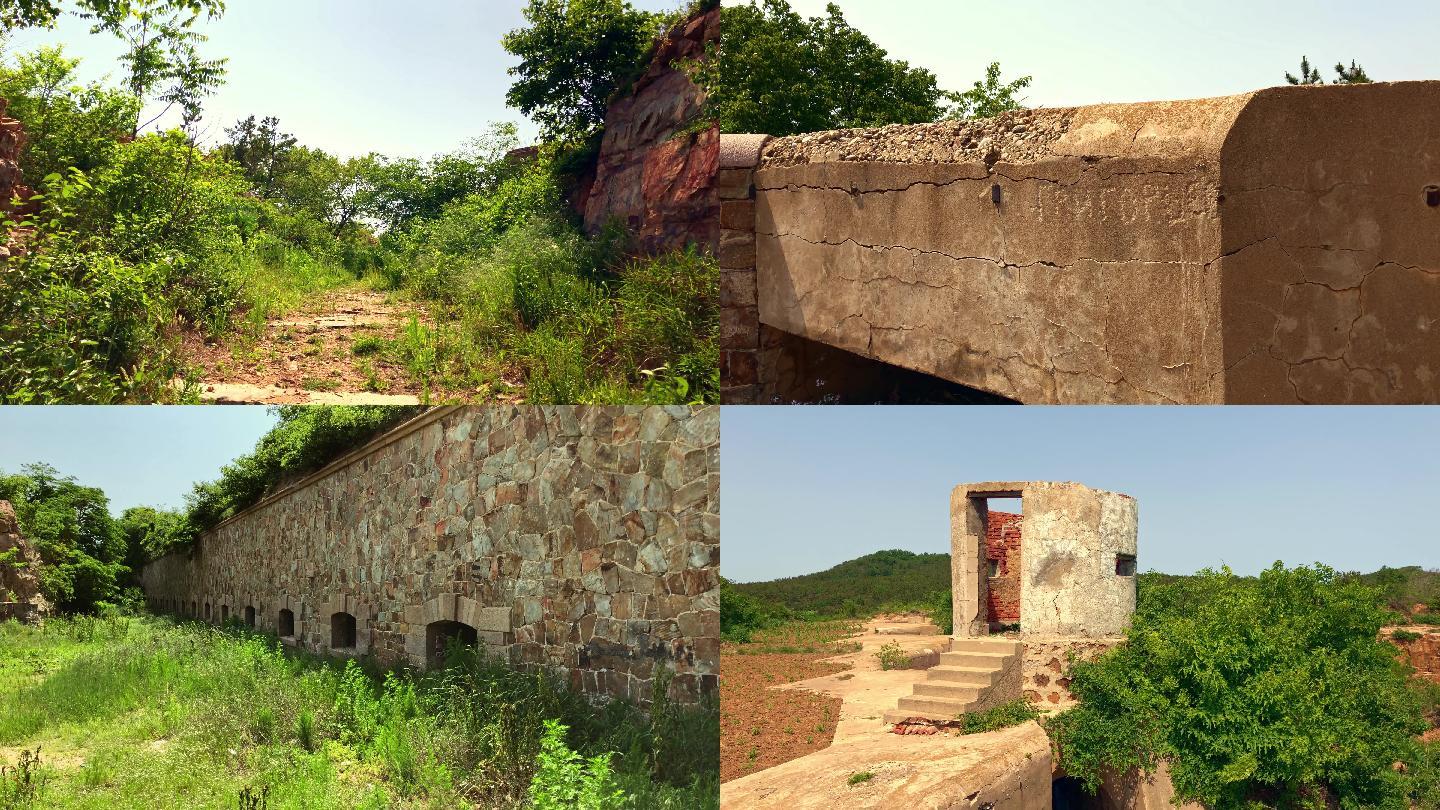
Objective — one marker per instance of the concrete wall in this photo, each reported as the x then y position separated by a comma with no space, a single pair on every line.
1072,536
582,539
1273,247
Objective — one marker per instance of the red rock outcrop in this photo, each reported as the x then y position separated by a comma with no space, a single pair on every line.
1422,653
12,143
656,169
20,596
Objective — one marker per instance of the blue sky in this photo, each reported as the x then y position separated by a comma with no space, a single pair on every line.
140,456
350,76
1142,50
804,488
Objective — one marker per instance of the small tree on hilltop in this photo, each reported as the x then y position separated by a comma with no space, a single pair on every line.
574,56
1355,74
989,97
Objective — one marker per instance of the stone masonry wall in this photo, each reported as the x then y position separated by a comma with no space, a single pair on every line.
656,173
581,539
1281,246
1002,545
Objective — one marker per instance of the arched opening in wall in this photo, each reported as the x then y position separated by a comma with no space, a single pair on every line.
286,623
443,637
208,614
1068,793
224,613
250,616
342,631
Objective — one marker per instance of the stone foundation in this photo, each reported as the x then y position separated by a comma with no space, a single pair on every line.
1046,667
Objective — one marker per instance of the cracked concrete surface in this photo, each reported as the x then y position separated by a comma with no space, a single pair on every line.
1270,247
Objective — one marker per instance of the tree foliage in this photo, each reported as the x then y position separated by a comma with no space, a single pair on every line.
574,56
778,73
1272,690
81,548
44,13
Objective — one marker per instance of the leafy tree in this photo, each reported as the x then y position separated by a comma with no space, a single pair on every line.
44,13
161,56
574,56
67,124
151,533
1273,689
778,73
1355,74
261,151
988,98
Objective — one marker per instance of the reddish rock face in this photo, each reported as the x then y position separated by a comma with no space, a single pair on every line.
657,182
12,142
20,596
1422,653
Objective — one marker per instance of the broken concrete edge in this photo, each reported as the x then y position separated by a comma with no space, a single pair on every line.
741,151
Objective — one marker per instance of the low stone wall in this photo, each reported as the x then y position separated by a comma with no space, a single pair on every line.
581,539
1225,250
656,170
1046,666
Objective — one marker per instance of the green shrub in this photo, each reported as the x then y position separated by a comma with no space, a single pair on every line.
1275,687
1003,716
1405,635
565,781
1426,618
940,607
892,656
859,778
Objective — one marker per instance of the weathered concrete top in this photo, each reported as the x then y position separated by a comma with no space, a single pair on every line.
1008,768
1160,128
1016,489
1280,246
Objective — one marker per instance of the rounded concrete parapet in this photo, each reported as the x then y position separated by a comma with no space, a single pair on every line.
741,151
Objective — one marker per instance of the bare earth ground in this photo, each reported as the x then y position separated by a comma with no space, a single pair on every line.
307,356
778,707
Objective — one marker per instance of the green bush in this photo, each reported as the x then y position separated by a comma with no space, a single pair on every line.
565,781
1275,687
1003,716
892,656
941,609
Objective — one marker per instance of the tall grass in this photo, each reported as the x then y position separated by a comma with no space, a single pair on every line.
147,713
275,278
579,321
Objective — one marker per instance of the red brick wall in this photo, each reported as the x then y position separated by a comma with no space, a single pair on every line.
1002,544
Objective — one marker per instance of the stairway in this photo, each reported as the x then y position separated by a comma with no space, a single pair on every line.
977,674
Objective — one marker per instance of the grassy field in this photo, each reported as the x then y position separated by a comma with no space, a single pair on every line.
142,713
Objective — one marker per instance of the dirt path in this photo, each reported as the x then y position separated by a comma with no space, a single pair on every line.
327,352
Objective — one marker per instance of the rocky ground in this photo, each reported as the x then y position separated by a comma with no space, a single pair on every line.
331,351
775,707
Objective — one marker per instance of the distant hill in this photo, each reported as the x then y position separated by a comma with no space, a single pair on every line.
904,579
859,587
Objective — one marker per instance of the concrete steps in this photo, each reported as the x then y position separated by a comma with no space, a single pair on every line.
969,676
